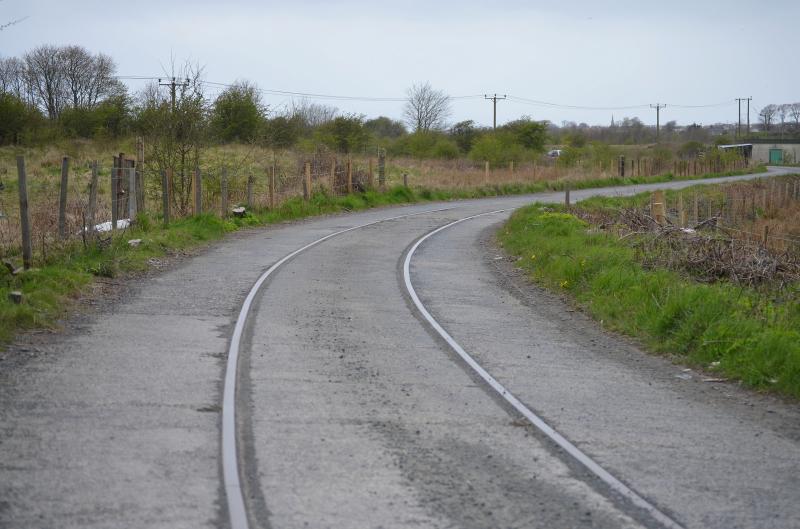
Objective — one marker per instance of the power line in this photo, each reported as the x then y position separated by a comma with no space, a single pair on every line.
494,98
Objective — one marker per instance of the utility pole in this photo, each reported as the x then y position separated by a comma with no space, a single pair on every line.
173,84
658,108
739,126
739,121
494,99
748,115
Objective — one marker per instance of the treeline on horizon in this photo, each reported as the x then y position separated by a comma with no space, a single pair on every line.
53,93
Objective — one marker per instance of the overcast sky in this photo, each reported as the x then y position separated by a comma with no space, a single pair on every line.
588,53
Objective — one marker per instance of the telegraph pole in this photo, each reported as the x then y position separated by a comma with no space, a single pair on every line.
748,115
739,122
173,84
739,126
494,99
658,108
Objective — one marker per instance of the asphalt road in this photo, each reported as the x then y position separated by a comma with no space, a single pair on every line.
352,412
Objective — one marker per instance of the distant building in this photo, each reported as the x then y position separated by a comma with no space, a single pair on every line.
775,151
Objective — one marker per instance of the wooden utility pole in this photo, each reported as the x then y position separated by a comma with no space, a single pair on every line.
62,199
494,99
658,108
173,84
24,215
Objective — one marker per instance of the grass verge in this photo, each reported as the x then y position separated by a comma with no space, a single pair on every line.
737,331
59,278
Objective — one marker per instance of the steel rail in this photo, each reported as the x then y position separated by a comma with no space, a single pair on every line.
237,511
612,482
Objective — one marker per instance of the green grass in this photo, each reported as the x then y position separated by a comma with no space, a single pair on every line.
49,288
739,332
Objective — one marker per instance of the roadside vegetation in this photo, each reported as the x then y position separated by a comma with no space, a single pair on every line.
62,270
715,294
66,105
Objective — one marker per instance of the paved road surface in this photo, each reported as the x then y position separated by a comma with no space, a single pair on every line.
353,413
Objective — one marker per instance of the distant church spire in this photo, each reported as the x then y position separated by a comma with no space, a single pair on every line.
612,120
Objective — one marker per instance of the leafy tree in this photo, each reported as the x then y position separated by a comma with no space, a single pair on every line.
528,133
282,132
238,114
344,134
175,134
498,148
383,127
690,149
425,145
15,118
464,133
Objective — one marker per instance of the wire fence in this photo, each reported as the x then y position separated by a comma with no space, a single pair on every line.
95,197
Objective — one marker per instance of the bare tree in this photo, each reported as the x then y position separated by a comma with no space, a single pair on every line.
45,75
312,115
767,114
794,112
12,78
88,77
426,108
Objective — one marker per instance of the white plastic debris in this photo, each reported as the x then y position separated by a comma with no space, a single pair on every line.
106,226
134,242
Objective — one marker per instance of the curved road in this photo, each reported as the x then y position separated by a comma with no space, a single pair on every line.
352,411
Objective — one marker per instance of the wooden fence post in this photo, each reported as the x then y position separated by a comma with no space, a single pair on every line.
140,173
405,180
133,192
333,176
349,175
511,167
250,191
92,201
198,190
114,196
696,209
307,181
166,177
272,188
121,202
62,199
566,194
486,170
681,212
766,234
223,184
659,207
382,168
24,215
